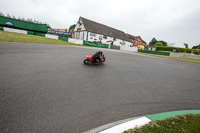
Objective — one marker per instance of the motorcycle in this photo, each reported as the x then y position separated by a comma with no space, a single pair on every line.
89,60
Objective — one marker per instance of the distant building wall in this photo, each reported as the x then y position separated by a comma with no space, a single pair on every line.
138,41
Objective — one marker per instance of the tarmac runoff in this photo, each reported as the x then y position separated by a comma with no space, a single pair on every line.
123,125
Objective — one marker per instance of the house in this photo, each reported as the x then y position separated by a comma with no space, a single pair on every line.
95,32
152,48
137,40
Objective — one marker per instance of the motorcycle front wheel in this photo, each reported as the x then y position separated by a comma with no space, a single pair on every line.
86,61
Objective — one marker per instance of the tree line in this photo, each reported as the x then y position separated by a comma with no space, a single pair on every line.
155,42
29,20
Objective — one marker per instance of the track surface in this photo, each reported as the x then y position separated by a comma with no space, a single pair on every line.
47,88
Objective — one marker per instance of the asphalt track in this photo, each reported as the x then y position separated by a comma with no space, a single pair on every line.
47,88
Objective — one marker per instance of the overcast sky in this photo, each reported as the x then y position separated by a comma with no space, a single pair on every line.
174,21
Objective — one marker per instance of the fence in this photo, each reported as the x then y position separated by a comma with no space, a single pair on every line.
59,33
114,47
14,30
71,40
95,44
154,52
5,21
63,38
34,33
133,49
51,36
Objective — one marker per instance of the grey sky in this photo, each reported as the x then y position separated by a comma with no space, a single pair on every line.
174,21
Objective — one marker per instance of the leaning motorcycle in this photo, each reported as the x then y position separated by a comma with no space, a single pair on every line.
89,60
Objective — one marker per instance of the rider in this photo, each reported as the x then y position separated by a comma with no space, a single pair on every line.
97,56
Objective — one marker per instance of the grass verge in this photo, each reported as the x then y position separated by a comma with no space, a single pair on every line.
189,123
173,58
17,37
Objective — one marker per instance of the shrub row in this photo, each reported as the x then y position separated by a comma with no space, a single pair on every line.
167,48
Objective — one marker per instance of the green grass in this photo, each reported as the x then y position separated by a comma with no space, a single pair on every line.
17,37
189,123
173,58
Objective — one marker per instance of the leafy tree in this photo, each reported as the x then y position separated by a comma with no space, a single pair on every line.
71,28
23,19
196,47
48,26
152,42
164,43
1,14
186,45
159,43
8,16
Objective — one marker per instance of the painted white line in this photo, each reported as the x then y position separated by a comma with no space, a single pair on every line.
109,125
125,126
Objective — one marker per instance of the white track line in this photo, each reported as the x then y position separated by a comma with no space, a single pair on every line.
127,125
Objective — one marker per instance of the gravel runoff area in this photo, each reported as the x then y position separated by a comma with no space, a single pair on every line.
47,88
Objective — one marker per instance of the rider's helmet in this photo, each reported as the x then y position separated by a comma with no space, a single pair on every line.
100,52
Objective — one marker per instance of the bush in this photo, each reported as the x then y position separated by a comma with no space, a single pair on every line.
167,48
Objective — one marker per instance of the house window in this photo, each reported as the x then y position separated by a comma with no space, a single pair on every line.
79,29
105,37
93,34
122,43
100,37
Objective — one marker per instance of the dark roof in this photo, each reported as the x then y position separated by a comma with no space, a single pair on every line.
134,37
98,28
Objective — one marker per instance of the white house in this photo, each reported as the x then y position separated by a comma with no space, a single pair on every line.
95,32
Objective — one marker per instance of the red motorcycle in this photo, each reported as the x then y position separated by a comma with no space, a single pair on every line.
89,60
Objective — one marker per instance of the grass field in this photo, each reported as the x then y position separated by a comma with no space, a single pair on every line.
179,124
173,58
16,37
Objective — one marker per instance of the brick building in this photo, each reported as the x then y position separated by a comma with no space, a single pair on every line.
137,40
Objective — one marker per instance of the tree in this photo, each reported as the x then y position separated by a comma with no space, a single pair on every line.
196,47
1,14
71,28
152,42
159,43
164,43
8,16
186,45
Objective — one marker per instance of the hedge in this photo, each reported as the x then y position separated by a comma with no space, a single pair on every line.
154,52
167,48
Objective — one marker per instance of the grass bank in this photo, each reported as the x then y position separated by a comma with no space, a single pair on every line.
173,58
17,37
189,123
